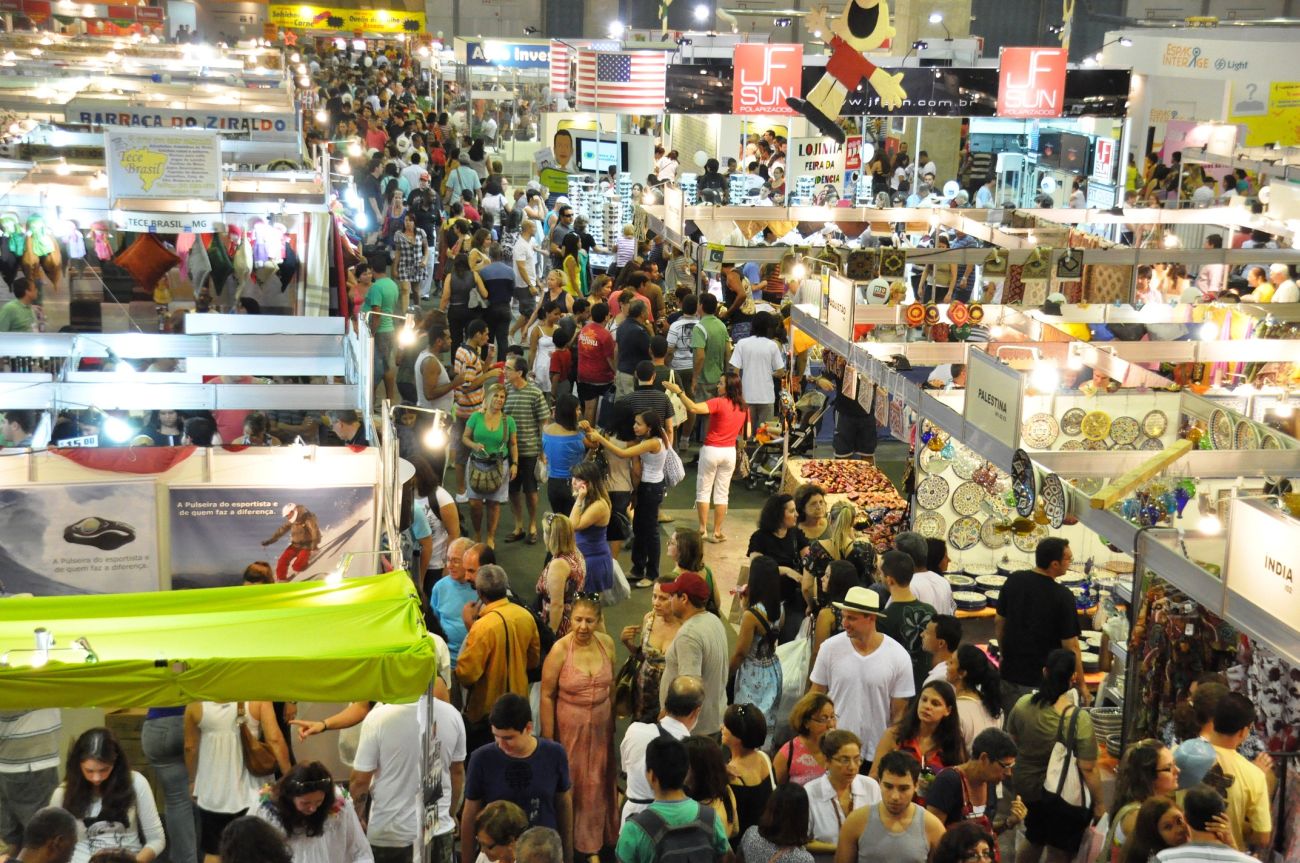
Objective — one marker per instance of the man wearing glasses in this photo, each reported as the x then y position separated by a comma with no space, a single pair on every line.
969,790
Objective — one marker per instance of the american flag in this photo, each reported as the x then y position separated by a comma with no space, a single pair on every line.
560,62
631,81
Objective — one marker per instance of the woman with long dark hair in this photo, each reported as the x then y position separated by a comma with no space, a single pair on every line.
779,538
316,817
1159,825
707,781
782,830
929,732
754,665
727,416
840,576
590,516
454,303
650,452
113,804
1146,771
1037,721
563,446
965,842
979,691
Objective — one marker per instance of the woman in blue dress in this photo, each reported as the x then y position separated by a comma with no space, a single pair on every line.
754,663
590,517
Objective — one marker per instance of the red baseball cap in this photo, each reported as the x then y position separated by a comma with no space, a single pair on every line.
690,583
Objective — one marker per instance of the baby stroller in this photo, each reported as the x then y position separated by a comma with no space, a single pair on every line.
767,460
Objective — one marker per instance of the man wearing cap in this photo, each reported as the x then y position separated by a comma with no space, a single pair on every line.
700,649
867,674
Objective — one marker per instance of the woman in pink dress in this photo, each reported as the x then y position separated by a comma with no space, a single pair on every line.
578,711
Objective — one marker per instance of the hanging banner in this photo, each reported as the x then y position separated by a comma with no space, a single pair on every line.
839,307
236,124
1104,154
58,540
1031,82
993,397
813,164
674,210
176,164
766,75
338,18
166,223
954,91
1261,569
303,533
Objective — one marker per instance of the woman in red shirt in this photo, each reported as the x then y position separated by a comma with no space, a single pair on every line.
728,414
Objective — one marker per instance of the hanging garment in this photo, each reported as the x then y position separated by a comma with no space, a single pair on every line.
289,267
185,242
198,266
102,241
74,242
317,265
219,263
242,262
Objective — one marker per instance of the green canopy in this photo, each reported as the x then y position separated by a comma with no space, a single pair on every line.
360,640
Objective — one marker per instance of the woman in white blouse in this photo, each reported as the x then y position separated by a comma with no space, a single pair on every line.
316,817
113,804
837,792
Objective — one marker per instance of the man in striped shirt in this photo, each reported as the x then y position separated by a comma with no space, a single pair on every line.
527,405
29,768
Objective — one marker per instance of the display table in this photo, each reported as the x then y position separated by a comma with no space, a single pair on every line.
881,509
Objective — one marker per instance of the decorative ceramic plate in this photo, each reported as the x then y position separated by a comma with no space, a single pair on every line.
1221,429
1072,446
1022,482
987,581
961,582
1040,431
1119,567
1155,423
1095,444
1247,435
1055,502
967,497
1152,443
933,461
932,492
1270,441
1096,425
1124,430
966,463
969,600
1072,421
929,524
991,536
964,533
1027,542
978,569
1124,446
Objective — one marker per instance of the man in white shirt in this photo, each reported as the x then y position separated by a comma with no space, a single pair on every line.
929,587
1203,195
682,706
525,265
413,172
449,748
926,165
761,364
1212,278
984,194
386,771
1285,290
867,674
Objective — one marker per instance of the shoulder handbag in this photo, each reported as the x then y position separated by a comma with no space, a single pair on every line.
625,685
1064,778
674,470
486,471
675,401
258,755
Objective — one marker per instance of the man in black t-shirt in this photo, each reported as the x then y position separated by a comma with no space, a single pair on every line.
1036,615
855,428
968,791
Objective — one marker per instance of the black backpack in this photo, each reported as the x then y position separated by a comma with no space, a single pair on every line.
691,842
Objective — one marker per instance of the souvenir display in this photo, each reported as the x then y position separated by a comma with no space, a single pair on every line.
1155,423
1041,430
1072,421
1124,430
1022,482
967,497
932,492
1055,502
1095,426
929,523
964,533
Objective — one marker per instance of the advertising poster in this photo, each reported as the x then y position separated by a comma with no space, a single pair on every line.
821,161
331,19
177,163
57,540
303,533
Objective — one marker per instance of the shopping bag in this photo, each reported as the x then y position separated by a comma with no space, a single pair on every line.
794,657
619,591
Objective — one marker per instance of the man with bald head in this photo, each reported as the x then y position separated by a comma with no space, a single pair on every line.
452,593
682,706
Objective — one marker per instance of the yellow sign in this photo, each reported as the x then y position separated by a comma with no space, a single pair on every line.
554,180
347,20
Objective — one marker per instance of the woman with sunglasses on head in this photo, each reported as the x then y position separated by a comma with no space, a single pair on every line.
316,817
113,804
577,711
